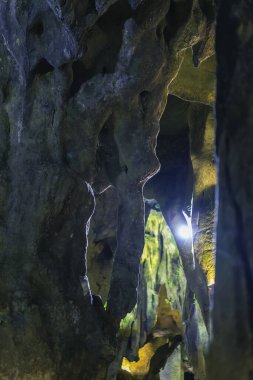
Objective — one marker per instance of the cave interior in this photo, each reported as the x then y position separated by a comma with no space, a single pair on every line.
126,190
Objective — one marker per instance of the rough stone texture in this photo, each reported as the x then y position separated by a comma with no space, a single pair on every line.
231,354
174,185
161,294
173,369
201,122
102,239
201,78
161,290
83,85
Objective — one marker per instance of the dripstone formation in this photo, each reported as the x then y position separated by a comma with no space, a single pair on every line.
106,147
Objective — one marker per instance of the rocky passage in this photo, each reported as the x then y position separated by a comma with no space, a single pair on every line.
106,147
83,89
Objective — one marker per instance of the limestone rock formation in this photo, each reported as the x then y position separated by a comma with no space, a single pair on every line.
231,353
106,147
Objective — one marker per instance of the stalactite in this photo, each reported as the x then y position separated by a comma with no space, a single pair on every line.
81,102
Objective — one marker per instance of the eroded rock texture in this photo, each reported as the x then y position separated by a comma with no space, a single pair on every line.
83,86
232,355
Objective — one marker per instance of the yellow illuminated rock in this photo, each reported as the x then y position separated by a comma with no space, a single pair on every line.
195,83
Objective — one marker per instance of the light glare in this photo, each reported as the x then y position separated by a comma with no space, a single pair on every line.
184,232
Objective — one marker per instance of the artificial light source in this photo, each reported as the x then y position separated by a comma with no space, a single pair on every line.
184,232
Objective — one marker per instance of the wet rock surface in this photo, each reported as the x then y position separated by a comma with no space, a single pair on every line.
83,87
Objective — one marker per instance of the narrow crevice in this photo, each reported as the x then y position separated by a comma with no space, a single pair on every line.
80,75
42,67
177,16
37,28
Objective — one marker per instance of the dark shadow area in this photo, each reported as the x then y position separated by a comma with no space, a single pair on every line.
80,75
188,376
42,67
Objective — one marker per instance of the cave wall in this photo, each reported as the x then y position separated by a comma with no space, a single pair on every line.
173,149
83,86
231,352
